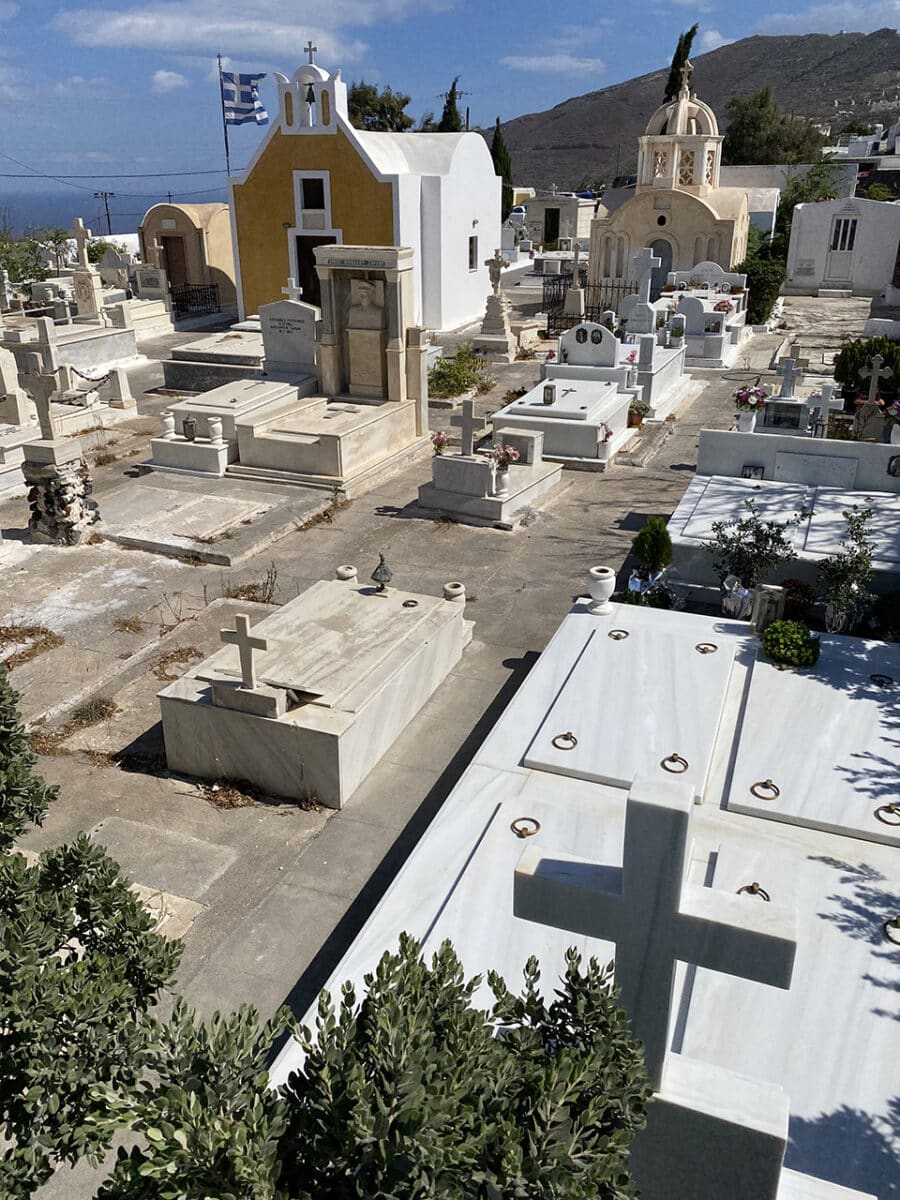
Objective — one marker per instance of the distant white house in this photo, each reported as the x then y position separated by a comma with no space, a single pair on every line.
845,245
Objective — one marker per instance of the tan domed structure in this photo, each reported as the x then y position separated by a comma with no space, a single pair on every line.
677,206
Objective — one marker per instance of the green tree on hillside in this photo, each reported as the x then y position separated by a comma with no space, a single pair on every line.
758,132
679,58
451,121
377,111
503,167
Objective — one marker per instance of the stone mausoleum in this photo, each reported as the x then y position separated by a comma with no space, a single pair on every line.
678,207
316,181
192,243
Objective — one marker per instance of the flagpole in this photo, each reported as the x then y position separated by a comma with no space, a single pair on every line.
224,122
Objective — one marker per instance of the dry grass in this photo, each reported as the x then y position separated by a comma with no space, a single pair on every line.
39,637
92,712
183,654
260,592
128,625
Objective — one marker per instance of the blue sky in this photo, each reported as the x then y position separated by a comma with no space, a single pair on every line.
124,86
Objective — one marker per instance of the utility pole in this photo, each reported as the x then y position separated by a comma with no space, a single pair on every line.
443,96
169,194
106,197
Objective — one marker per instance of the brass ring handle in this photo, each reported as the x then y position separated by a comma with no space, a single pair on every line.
675,763
565,741
706,647
891,929
524,827
881,681
755,889
765,789
618,635
889,811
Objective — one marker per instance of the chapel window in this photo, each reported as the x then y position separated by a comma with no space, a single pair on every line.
843,236
473,253
686,168
313,193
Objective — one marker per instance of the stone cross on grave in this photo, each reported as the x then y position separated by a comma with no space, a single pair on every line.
646,261
292,291
469,424
311,50
42,387
791,371
82,237
240,637
873,372
495,267
654,916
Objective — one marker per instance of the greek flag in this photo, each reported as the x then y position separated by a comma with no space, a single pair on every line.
240,96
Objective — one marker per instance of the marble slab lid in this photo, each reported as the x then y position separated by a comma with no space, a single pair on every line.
828,525
723,499
324,643
576,400
235,398
641,713
832,752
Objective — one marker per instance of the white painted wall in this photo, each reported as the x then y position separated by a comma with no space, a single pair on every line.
469,206
874,251
724,453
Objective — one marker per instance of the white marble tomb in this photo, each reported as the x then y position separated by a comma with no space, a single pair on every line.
810,1071
306,704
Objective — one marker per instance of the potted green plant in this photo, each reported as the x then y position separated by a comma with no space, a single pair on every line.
652,546
747,551
846,575
637,410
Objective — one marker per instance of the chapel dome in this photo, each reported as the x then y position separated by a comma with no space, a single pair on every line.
684,115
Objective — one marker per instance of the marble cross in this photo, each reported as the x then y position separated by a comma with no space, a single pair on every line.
873,372
42,387
292,291
156,254
240,637
655,917
645,262
469,424
791,372
81,236
311,50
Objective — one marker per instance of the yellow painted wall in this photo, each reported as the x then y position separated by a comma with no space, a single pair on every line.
361,207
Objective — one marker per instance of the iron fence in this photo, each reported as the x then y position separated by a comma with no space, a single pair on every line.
195,299
598,299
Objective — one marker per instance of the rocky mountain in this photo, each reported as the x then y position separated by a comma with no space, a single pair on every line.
821,76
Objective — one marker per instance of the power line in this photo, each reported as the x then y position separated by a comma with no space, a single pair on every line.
144,175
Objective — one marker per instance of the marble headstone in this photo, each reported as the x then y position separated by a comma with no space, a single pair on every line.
289,336
588,345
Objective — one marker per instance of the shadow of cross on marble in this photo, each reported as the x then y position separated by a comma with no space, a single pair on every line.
654,916
791,372
469,424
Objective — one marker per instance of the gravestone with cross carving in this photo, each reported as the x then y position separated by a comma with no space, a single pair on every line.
868,423
82,237
289,330
469,425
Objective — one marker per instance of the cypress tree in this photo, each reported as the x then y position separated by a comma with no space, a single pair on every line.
451,121
503,167
679,58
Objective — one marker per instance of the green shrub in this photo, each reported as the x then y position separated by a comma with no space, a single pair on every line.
653,546
790,642
858,354
764,279
460,373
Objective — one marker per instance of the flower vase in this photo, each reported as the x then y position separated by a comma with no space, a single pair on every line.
746,422
502,483
601,585
895,434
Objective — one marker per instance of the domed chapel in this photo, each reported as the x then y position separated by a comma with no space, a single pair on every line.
677,206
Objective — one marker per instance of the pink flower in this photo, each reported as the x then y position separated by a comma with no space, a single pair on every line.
632,357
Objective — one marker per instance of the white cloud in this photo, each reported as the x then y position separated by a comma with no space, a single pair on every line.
832,18
168,81
12,83
562,63
698,6
78,83
711,39
8,10
258,27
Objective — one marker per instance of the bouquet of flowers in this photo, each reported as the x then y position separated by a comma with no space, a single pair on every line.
750,399
504,455
439,442
892,412
723,306
632,357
